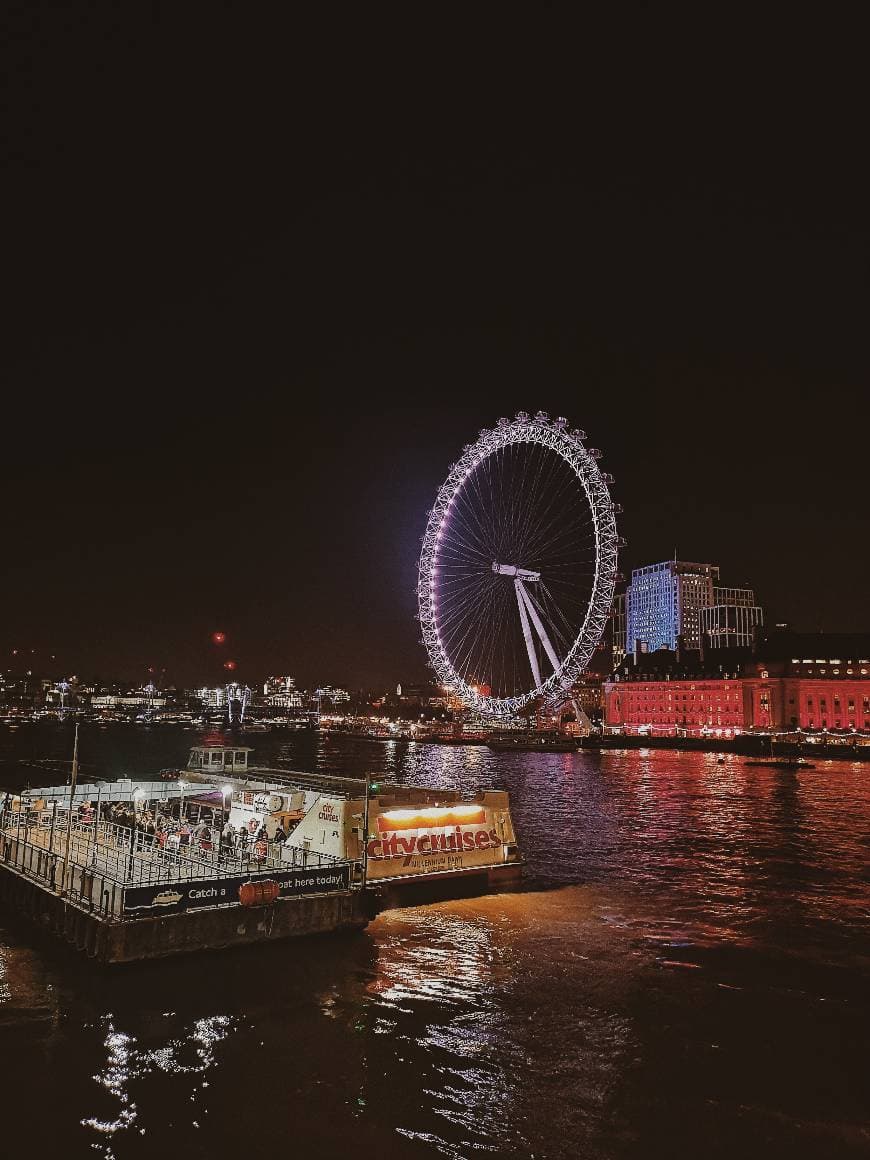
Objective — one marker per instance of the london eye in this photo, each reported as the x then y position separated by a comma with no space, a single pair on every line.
518,566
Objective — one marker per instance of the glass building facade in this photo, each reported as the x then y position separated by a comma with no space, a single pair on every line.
664,601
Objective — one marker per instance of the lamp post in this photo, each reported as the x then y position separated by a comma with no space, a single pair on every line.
181,785
372,787
72,791
95,822
51,841
365,834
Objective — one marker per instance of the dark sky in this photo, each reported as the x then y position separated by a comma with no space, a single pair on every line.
266,280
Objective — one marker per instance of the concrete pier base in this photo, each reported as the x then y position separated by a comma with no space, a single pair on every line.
132,940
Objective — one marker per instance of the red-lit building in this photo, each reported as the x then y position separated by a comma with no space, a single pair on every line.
667,693
819,681
789,681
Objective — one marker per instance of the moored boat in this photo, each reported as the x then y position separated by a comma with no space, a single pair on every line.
523,741
420,843
438,842
782,762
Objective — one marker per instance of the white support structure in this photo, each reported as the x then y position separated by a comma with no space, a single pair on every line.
542,632
527,629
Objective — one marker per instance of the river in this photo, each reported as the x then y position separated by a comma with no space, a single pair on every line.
684,973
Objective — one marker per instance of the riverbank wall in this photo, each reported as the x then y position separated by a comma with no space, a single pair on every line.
744,746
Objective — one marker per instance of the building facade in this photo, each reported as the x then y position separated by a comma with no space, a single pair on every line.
281,693
817,681
664,602
813,683
680,603
128,701
618,628
662,694
329,695
730,625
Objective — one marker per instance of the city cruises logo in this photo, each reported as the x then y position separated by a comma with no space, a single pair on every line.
451,829
328,812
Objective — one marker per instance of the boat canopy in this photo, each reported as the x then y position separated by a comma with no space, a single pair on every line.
214,758
123,790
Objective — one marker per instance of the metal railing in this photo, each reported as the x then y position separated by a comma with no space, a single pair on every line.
105,858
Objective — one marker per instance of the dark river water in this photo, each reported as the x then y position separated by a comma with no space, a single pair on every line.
684,974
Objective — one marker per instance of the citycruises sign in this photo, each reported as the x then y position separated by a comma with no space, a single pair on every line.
453,829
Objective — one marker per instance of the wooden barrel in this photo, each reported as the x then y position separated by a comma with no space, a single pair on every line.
258,893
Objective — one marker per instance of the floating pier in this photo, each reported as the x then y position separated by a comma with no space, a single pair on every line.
285,854
113,892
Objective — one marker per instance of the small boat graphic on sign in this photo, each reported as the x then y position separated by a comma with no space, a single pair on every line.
167,898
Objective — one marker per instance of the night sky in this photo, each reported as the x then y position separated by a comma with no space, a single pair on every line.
266,282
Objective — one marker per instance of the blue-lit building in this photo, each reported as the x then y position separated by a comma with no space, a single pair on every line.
678,599
664,601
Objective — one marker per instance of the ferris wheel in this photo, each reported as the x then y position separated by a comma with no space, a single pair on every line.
518,566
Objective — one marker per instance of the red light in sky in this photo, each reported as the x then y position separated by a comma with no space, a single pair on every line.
218,637
229,665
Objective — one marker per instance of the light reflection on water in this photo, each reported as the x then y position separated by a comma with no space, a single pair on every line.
192,1053
685,972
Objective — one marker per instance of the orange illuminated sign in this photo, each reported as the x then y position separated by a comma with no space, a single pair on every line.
431,818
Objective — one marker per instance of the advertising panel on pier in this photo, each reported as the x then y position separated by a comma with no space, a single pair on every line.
193,895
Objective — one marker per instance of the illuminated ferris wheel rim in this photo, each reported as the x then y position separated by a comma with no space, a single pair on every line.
568,444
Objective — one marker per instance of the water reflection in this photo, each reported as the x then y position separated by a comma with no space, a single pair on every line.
193,1052
435,991
683,973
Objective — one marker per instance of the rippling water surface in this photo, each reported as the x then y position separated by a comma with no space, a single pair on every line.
685,973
